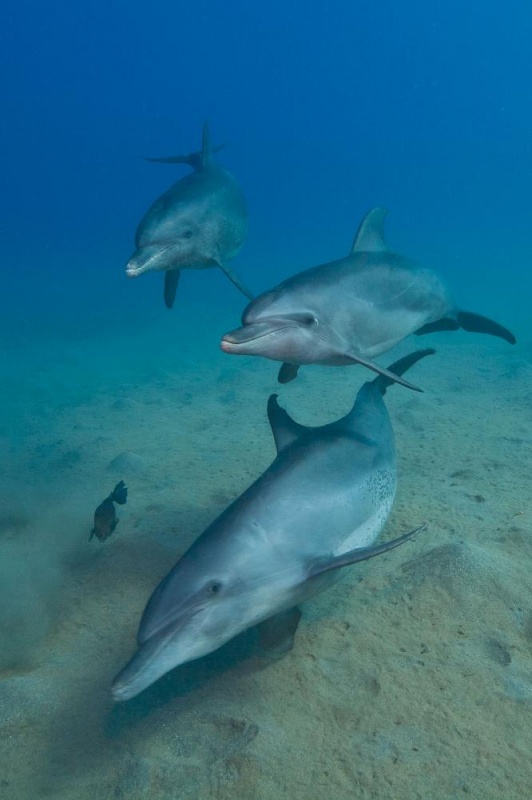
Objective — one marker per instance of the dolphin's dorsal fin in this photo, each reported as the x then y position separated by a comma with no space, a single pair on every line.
285,430
197,161
370,234
206,152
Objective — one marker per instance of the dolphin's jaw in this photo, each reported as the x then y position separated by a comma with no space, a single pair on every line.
157,655
269,338
138,674
153,659
182,641
132,680
133,269
292,341
246,347
162,257
157,262
134,272
126,691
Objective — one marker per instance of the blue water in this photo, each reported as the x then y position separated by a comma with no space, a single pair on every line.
326,110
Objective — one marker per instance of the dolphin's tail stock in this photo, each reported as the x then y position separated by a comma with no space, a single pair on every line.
119,494
475,323
382,381
198,160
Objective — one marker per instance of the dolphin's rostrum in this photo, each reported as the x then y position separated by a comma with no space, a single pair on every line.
201,221
318,507
351,310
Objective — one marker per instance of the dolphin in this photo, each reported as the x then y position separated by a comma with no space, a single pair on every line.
318,507
201,221
351,310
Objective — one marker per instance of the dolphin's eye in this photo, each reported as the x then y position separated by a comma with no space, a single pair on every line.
214,587
308,319
187,234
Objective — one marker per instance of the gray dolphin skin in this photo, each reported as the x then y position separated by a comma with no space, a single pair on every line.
318,507
351,310
201,221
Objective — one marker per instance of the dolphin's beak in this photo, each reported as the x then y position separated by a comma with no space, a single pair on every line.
237,341
144,668
154,657
137,264
146,259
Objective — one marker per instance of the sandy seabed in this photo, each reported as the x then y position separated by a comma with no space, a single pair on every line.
411,678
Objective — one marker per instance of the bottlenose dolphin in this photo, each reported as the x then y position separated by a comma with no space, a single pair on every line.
200,221
351,310
319,506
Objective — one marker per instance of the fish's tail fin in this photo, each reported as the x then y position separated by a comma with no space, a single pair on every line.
399,367
195,160
475,323
119,494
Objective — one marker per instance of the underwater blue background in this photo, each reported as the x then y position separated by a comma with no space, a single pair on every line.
326,108
411,678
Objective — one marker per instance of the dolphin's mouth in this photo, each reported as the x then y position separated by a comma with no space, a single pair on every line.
151,660
235,341
140,671
133,272
134,268
143,259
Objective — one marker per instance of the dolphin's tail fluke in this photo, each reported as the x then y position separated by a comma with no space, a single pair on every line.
399,367
475,323
468,321
195,160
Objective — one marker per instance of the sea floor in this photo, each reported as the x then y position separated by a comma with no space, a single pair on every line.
411,678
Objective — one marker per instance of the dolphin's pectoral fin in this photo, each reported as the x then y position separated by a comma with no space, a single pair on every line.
276,635
445,324
287,373
356,359
285,430
360,554
171,279
475,323
236,280
401,366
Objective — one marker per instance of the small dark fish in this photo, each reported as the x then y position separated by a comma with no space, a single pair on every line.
105,519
